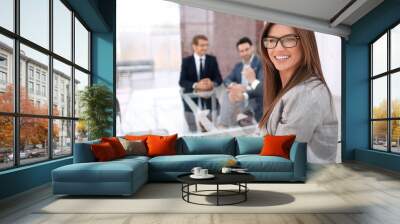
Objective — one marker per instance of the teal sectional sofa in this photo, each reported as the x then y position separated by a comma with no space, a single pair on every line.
125,176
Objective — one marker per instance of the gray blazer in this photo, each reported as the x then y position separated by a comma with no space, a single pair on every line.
307,111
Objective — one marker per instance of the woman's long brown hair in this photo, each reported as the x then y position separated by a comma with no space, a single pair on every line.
310,66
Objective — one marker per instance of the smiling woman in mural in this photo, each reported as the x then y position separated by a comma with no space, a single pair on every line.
297,99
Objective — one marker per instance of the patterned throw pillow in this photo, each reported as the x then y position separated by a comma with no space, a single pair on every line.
136,147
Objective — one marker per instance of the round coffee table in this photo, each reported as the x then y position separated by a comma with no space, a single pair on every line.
238,179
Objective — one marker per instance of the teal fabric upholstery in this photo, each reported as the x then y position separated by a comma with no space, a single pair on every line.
119,177
249,145
126,175
298,155
185,163
193,145
257,163
83,152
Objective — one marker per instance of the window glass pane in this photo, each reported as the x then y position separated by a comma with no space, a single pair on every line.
81,81
6,142
379,97
81,131
62,138
81,45
379,55
395,136
35,21
379,135
62,89
6,74
7,14
34,72
33,139
395,47
395,94
62,29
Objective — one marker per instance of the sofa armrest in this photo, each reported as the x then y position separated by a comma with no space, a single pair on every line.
83,152
298,155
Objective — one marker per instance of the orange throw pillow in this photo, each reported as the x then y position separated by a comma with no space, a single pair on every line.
136,137
161,145
103,152
116,145
277,145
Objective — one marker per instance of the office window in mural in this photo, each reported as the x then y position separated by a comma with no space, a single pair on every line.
158,66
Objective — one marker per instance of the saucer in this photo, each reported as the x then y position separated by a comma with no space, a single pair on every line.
208,176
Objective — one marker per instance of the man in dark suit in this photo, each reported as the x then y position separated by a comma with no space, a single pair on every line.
199,72
244,86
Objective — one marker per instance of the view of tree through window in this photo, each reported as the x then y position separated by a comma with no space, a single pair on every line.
385,94
43,113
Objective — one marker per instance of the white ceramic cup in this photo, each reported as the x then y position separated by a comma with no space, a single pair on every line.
226,170
196,171
203,172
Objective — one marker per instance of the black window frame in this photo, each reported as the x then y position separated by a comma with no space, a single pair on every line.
16,115
388,74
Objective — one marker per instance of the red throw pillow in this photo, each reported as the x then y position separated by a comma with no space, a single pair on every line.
116,145
277,145
103,152
161,145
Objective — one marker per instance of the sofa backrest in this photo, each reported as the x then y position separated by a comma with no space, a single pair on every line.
194,145
249,145
83,152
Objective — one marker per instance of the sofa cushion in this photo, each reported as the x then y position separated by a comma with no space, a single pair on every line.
248,145
135,147
161,145
277,145
116,145
185,163
257,163
103,152
112,171
197,145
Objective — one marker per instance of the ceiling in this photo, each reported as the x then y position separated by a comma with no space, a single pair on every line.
326,16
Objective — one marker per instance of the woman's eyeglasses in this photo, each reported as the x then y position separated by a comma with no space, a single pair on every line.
287,41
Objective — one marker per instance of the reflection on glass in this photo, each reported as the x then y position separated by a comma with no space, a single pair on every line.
81,81
395,135
7,14
395,94
81,45
6,75
62,138
379,97
379,55
35,21
395,47
379,135
6,142
81,131
33,139
34,96
62,89
62,29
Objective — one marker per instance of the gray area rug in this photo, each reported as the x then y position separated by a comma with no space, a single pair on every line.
166,198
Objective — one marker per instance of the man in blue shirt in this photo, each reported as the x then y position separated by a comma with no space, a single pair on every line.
244,93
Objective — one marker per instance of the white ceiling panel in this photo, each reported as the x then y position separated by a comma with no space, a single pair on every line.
326,16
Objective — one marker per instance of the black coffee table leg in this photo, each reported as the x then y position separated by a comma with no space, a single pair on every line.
217,194
245,194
